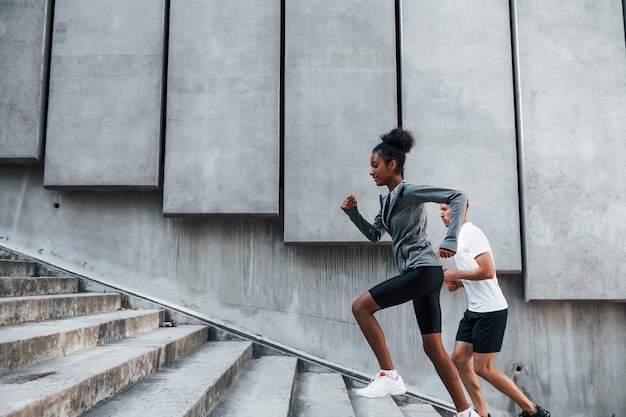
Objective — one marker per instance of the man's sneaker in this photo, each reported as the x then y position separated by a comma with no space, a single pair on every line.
381,386
540,413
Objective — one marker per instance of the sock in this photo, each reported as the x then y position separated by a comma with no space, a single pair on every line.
466,413
391,373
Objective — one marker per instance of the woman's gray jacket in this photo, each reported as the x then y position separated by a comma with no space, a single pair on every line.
402,214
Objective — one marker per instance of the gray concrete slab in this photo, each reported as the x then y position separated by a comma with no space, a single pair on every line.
18,287
340,95
322,394
15,310
419,410
190,386
264,389
24,47
28,343
75,383
374,407
104,107
457,99
14,268
572,77
222,153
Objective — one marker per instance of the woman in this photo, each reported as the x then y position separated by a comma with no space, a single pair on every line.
403,216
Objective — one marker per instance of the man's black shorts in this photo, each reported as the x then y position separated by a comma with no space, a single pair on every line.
485,331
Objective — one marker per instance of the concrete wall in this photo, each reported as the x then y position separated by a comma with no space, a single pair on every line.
106,77
222,153
457,86
24,41
340,95
240,270
572,95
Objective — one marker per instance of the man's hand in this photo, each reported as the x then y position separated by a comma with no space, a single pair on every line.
450,275
454,285
452,279
445,253
349,203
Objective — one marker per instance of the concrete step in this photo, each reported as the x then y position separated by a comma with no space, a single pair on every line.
264,389
70,385
24,286
12,268
29,343
15,310
321,394
190,386
419,410
374,407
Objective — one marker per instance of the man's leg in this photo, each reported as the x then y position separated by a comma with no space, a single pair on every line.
483,366
462,357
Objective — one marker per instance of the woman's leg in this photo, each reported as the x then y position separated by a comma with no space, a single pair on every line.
363,309
433,346
385,383
392,292
428,313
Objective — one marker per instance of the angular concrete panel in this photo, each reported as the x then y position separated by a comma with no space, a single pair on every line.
457,99
572,78
24,48
340,96
222,152
104,113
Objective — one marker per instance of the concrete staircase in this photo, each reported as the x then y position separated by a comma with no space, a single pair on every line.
66,352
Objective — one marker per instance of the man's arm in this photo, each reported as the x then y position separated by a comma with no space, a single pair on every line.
485,270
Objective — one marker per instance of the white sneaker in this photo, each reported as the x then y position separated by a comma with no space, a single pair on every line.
381,386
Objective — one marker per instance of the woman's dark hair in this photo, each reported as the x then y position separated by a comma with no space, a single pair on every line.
395,145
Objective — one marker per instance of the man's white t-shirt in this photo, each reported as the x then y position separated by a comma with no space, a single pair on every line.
485,295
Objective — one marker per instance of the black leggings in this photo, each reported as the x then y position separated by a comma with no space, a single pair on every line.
422,285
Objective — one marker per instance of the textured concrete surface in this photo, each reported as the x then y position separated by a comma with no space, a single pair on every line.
33,342
322,394
11,268
457,98
222,153
572,66
17,287
240,271
104,113
373,407
93,375
24,48
340,95
264,388
192,385
420,410
39,307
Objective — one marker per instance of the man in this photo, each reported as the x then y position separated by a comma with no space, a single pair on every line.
481,330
